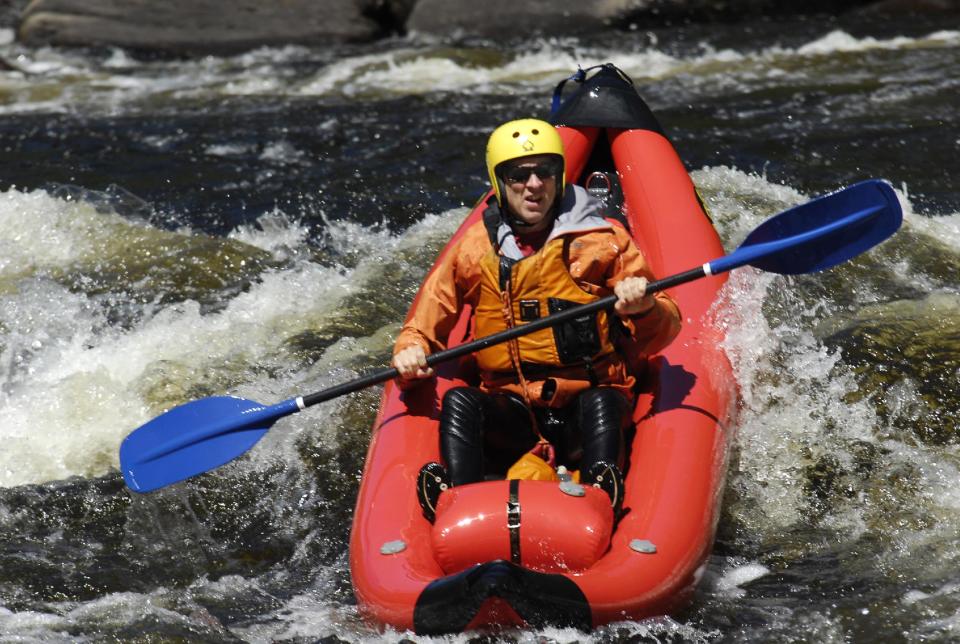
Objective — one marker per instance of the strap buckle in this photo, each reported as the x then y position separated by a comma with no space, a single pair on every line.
513,515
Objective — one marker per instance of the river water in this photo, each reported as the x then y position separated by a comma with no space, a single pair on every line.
257,225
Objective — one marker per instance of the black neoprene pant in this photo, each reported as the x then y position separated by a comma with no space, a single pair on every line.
484,433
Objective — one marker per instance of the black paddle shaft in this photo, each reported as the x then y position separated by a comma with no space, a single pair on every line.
446,355
199,436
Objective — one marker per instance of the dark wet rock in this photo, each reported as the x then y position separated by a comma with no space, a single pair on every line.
196,26
508,19
899,7
10,12
216,26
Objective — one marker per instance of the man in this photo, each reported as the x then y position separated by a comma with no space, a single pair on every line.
566,390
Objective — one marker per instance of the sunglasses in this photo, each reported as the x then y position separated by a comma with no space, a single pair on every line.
521,174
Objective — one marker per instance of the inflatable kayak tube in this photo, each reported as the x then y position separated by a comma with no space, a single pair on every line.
503,553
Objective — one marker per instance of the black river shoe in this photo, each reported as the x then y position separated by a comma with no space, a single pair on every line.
608,478
431,481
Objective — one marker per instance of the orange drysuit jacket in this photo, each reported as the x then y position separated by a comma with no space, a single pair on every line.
599,254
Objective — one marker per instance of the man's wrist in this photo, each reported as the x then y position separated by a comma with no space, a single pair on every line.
646,311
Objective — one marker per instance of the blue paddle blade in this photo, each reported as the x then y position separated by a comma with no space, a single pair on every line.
821,233
193,438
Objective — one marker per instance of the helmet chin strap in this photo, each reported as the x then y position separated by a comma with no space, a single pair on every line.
516,222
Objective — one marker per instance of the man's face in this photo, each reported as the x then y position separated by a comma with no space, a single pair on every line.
530,184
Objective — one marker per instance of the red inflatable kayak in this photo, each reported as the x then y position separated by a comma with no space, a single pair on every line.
538,552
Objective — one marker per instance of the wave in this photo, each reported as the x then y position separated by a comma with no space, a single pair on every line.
53,80
83,363
837,430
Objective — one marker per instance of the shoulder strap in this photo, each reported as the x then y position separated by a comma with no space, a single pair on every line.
491,221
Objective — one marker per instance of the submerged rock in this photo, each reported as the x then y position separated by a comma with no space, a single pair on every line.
906,355
511,19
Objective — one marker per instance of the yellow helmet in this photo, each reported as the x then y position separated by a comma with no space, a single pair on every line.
522,138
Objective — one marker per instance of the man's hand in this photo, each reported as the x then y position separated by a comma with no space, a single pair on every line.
632,298
412,363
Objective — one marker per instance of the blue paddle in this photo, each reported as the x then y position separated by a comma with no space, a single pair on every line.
204,434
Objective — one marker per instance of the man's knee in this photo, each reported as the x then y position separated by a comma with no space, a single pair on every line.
602,409
462,414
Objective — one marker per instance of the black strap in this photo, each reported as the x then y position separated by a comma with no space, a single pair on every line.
506,272
513,520
491,221
591,372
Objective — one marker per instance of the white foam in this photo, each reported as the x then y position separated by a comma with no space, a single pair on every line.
72,385
80,395
943,228
796,405
414,72
739,201
282,152
40,231
274,232
32,626
840,41
914,596
731,581
227,149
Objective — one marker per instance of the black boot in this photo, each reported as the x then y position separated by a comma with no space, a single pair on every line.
431,481
462,419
